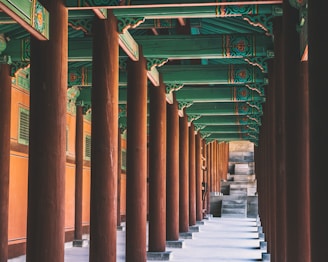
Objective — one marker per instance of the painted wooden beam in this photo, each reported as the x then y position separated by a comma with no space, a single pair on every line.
218,94
215,120
222,108
212,74
129,45
224,129
183,74
194,11
176,47
232,136
205,46
31,15
211,94
180,9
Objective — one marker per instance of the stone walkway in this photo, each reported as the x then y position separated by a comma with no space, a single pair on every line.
219,240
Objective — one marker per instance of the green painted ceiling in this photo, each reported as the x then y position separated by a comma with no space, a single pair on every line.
213,55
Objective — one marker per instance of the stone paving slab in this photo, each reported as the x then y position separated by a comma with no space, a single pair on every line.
219,240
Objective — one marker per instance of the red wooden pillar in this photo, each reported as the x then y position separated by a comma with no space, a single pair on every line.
172,172
78,175
280,138
209,168
215,166
104,150
47,143
271,227
157,169
119,171
199,177
208,177
318,130
226,163
205,187
212,174
297,166
184,174
5,109
136,161
192,175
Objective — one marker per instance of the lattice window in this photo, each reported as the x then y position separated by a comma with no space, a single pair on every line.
87,154
66,139
23,126
123,160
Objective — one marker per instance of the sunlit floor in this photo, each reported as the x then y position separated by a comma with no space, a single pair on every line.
219,240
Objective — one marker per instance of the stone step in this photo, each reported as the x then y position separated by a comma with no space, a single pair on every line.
234,208
239,211
233,213
240,192
234,201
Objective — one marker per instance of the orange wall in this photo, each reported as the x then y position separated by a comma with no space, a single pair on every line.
69,197
19,174
17,197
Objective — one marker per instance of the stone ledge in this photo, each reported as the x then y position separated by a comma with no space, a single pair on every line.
175,243
166,255
186,235
80,242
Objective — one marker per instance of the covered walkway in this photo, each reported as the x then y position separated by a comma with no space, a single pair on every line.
219,239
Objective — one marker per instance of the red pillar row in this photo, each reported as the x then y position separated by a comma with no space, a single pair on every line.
104,150
157,169
5,109
183,174
78,172
199,178
136,181
192,175
297,166
47,143
317,93
172,172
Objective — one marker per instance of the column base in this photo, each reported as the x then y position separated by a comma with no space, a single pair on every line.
261,236
194,228
166,255
185,235
208,216
175,243
200,222
80,242
120,228
266,257
263,246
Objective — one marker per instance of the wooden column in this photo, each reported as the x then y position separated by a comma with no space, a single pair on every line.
47,143
280,138
119,171
199,178
136,177
214,166
272,158
192,175
78,173
209,175
205,196
184,174
104,149
297,167
172,172
318,129
157,169
5,115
